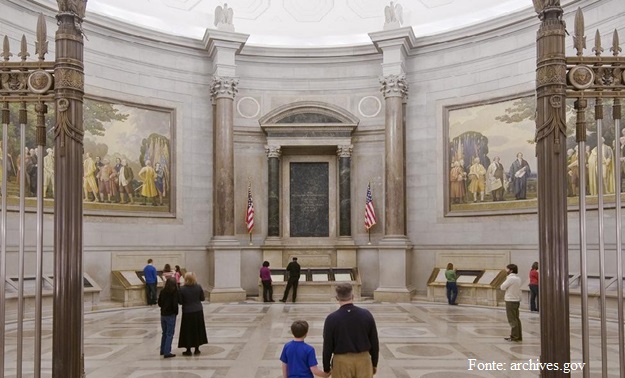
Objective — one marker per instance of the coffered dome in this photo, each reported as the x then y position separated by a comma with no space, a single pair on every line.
303,23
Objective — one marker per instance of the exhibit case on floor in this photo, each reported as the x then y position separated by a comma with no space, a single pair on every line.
475,286
315,284
128,287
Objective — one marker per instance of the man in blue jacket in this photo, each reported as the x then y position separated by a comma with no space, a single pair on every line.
149,275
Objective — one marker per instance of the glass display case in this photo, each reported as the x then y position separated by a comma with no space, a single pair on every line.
315,284
475,286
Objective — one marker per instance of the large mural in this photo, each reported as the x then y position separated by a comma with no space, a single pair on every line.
491,164
128,166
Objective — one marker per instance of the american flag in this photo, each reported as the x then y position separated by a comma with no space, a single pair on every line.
249,214
370,219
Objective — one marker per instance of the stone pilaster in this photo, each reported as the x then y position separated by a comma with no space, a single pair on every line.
273,201
552,186
67,335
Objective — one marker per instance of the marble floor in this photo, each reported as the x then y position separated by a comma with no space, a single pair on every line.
245,341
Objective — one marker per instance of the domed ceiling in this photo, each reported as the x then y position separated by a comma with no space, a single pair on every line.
304,23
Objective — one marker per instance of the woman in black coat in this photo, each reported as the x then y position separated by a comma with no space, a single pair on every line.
192,328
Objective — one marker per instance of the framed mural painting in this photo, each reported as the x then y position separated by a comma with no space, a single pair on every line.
490,161
491,164
128,161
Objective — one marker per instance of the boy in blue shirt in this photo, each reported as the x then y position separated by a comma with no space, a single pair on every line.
298,358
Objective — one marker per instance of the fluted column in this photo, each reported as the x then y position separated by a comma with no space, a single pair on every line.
273,201
395,89
552,184
223,90
345,171
67,359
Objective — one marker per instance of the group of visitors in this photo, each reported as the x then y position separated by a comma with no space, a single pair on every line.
190,295
350,343
512,297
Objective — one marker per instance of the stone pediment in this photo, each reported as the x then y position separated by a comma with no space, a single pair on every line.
308,123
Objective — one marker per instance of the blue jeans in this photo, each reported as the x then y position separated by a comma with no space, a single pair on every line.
168,324
452,292
150,293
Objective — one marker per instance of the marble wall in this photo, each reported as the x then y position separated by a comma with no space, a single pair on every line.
492,60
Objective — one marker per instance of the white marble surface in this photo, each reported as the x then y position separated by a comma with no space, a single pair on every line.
245,340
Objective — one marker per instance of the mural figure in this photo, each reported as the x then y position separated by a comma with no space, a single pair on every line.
608,170
48,172
89,183
457,177
519,172
148,188
477,179
495,181
125,182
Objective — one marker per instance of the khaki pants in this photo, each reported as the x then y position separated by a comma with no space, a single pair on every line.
352,365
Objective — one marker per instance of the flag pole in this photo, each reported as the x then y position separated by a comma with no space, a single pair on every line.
369,234
251,238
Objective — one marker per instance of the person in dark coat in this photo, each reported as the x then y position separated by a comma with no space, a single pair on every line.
192,328
294,272
168,302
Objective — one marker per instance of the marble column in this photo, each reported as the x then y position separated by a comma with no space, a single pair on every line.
223,90
395,249
345,171
225,249
552,186
67,334
273,201
395,89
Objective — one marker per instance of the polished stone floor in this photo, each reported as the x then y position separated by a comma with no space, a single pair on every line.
245,341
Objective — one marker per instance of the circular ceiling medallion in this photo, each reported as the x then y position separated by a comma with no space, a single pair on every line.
369,106
248,107
39,82
581,77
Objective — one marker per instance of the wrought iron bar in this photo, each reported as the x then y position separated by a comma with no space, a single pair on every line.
20,269
580,106
3,231
41,109
599,182
616,115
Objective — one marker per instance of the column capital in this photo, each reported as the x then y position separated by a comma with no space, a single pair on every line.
273,151
394,86
345,151
224,87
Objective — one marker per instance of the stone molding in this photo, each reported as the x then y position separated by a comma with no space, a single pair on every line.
224,87
345,151
394,86
273,151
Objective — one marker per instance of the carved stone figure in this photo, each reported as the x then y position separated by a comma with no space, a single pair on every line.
223,17
393,15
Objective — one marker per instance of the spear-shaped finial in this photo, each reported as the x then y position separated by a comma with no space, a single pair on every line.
579,39
6,49
41,45
23,49
616,49
597,49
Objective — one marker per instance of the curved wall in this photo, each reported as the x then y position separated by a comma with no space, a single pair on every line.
492,60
